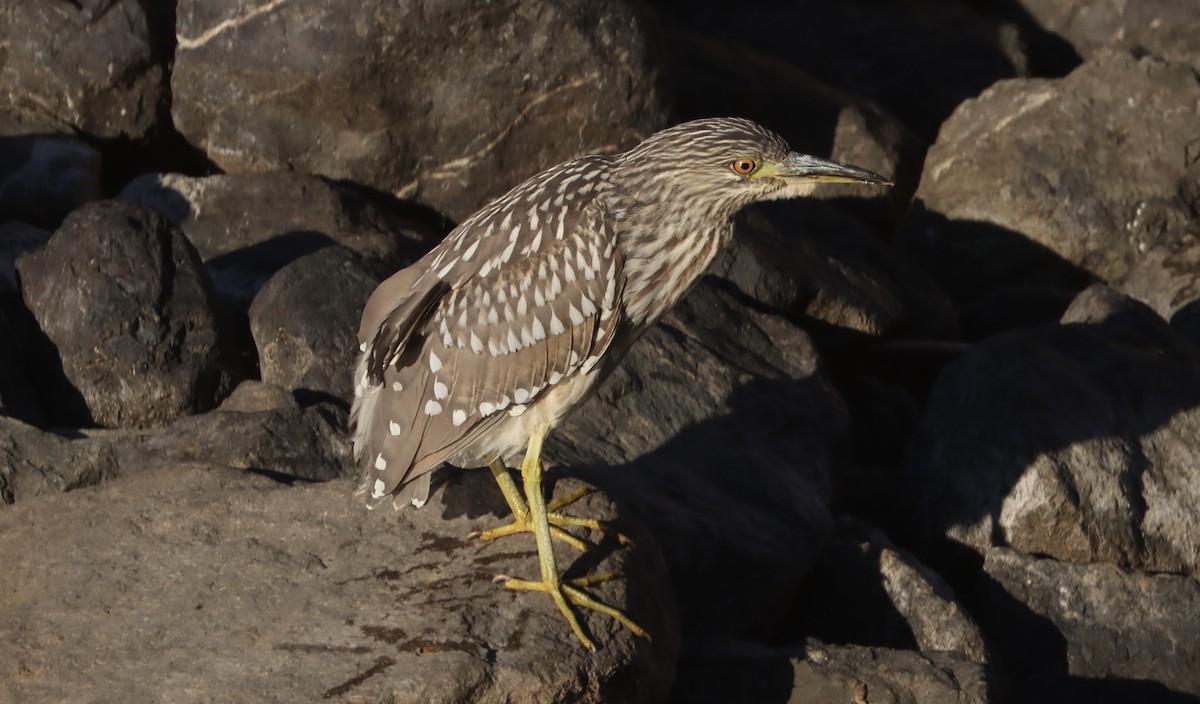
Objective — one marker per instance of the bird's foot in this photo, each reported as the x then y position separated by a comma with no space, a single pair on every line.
558,523
568,592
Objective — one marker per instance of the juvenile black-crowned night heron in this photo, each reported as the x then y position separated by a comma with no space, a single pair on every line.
476,351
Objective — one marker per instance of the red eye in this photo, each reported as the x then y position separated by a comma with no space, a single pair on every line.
743,167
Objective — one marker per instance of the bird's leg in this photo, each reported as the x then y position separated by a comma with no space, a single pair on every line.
558,521
552,584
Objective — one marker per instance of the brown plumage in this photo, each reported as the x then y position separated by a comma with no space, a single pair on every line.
513,319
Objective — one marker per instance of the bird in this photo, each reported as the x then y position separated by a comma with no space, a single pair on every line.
474,353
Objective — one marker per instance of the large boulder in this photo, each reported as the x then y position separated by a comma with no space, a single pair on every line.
203,584
130,313
450,105
1074,441
93,66
1093,25
1006,199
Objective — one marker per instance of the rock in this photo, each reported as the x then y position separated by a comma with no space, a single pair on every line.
1093,632
1093,25
305,322
829,674
717,427
448,105
96,66
260,428
867,591
1074,441
44,177
823,268
248,227
1005,199
130,311
1167,277
917,60
19,395
201,583
273,434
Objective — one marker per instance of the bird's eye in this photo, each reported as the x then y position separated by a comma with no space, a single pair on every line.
743,167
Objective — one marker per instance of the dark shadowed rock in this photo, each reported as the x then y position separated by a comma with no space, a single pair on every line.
450,105
97,66
867,591
1007,198
816,264
305,322
19,394
718,427
1093,632
204,584
917,59
816,673
34,462
44,177
248,227
130,311
1075,441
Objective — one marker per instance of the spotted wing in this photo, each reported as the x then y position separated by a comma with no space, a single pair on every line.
536,307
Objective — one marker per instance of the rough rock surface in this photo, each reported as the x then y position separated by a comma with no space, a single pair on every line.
1093,632
130,310
1096,460
1093,25
248,227
199,583
1005,198
448,104
718,427
260,427
1167,277
305,322
97,66
816,673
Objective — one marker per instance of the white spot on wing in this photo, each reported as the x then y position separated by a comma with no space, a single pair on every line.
516,410
397,386
576,317
394,428
435,364
487,409
556,326
458,417
377,492
520,395
476,343
439,390
380,462
432,408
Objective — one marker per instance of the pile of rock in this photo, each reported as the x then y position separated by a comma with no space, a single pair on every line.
935,444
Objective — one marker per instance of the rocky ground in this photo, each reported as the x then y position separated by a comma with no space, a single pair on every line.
935,444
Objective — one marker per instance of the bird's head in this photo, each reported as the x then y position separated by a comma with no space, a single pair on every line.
728,163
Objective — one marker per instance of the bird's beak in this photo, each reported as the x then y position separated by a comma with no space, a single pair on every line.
810,168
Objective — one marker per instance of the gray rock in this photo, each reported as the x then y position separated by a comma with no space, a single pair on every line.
817,673
1093,25
1075,441
1006,199
34,462
44,177
248,227
1167,277
449,105
96,66
867,591
130,311
205,584
1093,632
305,322
718,427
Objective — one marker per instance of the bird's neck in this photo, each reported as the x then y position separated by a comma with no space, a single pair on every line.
667,246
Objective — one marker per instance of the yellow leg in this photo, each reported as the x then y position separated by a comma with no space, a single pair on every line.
558,521
563,594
